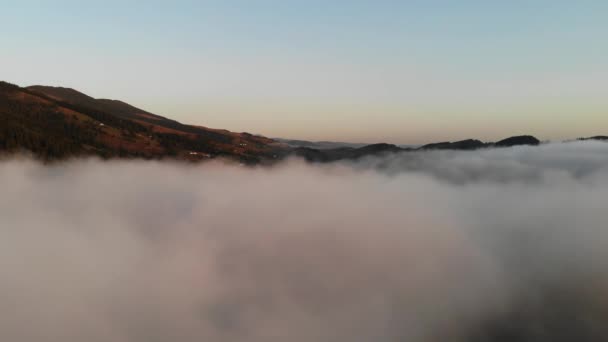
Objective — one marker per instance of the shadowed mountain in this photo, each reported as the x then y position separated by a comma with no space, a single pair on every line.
597,137
329,155
518,140
469,144
319,145
55,123
473,144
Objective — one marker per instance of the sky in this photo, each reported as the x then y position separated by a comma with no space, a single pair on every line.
405,72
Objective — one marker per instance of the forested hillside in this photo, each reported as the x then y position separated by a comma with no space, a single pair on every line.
58,123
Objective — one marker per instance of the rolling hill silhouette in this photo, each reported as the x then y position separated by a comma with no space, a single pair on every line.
56,123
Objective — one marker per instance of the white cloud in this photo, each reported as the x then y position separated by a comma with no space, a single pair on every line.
443,246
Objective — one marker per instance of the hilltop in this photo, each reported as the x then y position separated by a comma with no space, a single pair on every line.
57,123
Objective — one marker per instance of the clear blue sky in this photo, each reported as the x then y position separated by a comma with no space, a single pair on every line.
397,71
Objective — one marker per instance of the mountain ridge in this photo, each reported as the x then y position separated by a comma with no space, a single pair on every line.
56,123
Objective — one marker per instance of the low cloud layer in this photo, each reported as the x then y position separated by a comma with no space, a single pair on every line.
500,165
499,244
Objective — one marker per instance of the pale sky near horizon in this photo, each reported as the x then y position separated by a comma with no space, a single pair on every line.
405,72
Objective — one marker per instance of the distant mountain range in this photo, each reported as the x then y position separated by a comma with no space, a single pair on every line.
328,155
319,145
55,123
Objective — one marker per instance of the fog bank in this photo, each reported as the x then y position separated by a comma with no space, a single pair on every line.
498,244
